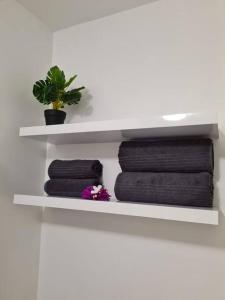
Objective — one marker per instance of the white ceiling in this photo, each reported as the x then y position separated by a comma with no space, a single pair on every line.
58,14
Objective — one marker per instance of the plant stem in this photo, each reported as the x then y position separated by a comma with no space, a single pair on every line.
56,104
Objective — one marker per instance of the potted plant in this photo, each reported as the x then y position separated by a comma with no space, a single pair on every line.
53,90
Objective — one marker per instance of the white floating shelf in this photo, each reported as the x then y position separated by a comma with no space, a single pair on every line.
190,124
184,214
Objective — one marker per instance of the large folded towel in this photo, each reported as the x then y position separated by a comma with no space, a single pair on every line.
74,169
192,189
188,155
68,187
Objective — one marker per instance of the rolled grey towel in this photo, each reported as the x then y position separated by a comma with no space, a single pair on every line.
188,189
75,169
68,187
188,155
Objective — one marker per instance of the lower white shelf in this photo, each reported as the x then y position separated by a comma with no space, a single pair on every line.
176,213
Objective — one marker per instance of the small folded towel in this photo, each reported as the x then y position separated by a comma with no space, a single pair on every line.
187,155
68,187
75,169
186,189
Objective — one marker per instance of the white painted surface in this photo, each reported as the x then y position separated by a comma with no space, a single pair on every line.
183,214
25,52
164,58
190,124
60,14
149,61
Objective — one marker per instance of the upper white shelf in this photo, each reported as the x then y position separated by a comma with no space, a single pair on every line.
189,124
164,212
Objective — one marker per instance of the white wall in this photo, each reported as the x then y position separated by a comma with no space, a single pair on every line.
25,53
165,57
160,57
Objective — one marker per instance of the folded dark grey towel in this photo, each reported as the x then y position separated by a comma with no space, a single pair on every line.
191,189
188,155
75,169
68,187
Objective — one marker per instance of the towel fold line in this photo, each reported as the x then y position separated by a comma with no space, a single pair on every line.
75,169
188,189
68,187
188,155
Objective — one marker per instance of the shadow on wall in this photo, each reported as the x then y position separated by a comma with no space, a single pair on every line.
83,109
200,234
181,232
219,154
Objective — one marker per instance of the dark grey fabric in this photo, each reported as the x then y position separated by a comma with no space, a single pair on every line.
68,187
177,155
74,169
191,189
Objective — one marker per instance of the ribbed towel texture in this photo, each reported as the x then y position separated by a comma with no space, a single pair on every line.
68,178
68,187
188,155
75,169
166,171
193,189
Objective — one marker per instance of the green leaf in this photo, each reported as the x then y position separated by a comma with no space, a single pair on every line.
72,97
56,77
53,88
44,92
78,89
68,83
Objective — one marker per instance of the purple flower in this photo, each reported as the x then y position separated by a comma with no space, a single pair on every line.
95,193
86,193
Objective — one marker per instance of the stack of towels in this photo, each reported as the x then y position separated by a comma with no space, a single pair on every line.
174,172
68,178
